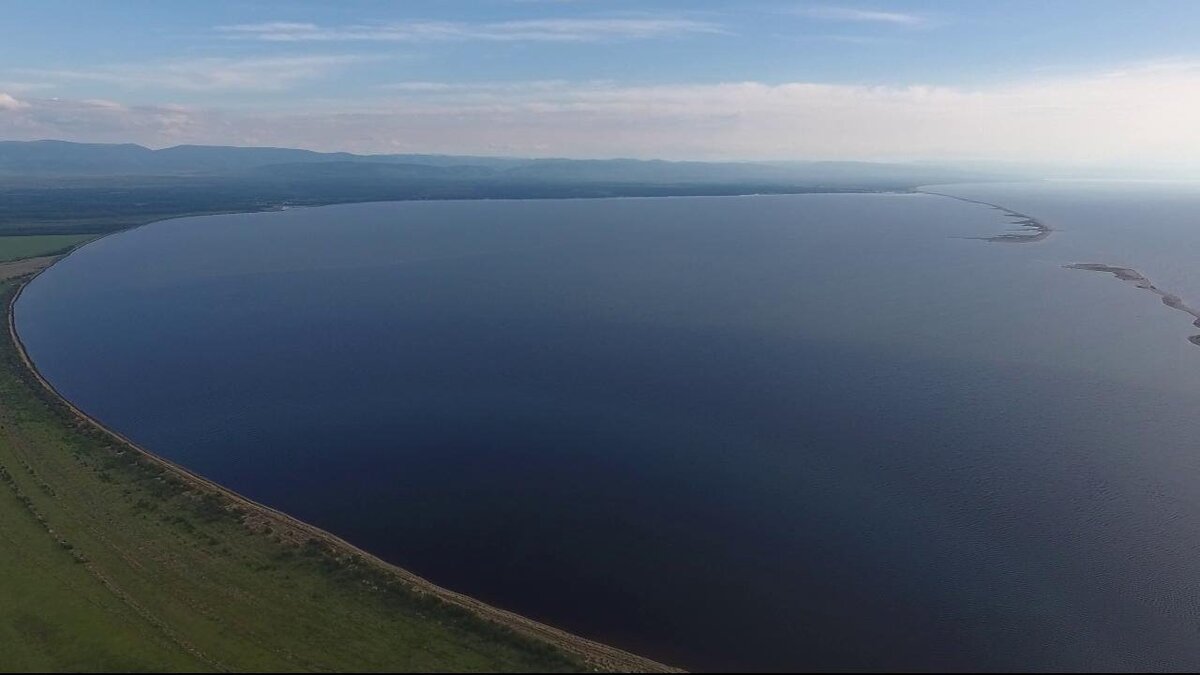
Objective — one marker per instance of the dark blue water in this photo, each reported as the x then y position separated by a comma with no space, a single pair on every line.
799,432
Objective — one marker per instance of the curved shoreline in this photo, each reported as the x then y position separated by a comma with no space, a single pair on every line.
1130,275
1034,229
258,517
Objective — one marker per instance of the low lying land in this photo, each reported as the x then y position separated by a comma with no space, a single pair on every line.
1031,229
16,248
112,559
27,254
99,206
54,187
1140,281
19,268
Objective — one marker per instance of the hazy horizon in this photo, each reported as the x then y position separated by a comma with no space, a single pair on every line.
1065,171
1096,85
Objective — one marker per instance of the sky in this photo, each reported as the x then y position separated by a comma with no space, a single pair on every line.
1089,82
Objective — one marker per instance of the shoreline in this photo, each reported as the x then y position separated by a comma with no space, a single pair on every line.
258,517
52,259
1139,280
1034,230
132,221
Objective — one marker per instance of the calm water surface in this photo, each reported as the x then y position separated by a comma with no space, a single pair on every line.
792,432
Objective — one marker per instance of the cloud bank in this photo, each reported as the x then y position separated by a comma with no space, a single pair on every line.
276,73
1139,114
860,15
534,30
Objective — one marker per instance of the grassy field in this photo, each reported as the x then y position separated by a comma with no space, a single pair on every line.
15,248
110,562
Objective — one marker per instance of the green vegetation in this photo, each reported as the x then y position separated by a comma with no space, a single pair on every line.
15,248
111,562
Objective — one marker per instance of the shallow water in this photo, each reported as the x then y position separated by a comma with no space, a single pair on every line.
765,432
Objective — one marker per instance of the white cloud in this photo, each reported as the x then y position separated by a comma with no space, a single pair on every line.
8,102
208,74
472,88
1142,114
832,13
535,30
106,121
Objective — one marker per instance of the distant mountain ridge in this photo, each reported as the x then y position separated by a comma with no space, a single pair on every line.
80,159
59,187
64,159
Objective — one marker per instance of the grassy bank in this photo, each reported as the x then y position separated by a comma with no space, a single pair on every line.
112,561
31,246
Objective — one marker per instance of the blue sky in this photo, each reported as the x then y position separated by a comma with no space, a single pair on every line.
1050,81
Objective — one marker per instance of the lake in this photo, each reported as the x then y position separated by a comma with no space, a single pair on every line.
770,432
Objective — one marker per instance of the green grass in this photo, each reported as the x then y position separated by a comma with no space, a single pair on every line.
109,562
31,246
